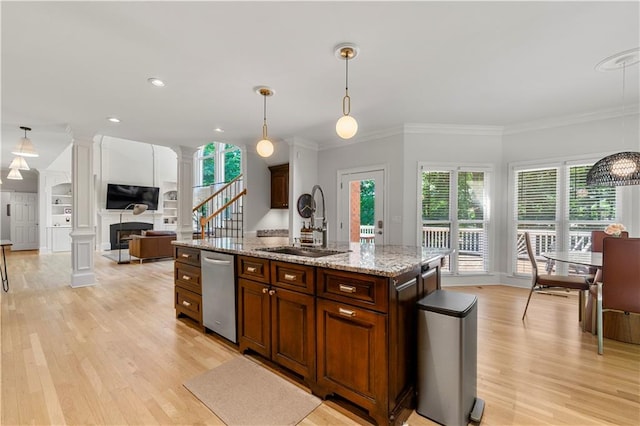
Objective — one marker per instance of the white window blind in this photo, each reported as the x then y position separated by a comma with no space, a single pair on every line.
558,209
454,215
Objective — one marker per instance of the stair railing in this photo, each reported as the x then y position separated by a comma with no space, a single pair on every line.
221,213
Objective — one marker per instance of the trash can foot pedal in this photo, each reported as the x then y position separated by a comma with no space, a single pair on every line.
477,410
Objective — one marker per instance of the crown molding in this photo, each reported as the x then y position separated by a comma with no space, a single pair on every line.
567,120
452,129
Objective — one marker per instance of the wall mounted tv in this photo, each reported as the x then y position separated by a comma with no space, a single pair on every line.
120,196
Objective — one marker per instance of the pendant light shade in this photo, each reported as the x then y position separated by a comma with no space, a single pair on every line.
25,148
618,169
265,146
347,126
19,163
14,174
622,168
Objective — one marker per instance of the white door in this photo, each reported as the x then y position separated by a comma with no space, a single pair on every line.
362,207
24,221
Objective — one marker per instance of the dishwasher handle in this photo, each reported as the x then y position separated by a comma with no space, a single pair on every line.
217,262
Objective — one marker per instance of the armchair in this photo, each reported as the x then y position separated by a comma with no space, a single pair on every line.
619,288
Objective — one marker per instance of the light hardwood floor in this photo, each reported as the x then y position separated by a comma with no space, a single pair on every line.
114,353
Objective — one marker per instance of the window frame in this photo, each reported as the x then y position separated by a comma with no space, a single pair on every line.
562,220
454,169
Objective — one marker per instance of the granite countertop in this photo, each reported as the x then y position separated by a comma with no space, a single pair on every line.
387,260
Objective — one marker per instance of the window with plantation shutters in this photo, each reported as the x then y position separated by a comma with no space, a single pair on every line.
558,209
454,215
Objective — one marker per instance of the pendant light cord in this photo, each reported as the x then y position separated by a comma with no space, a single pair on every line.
264,125
346,101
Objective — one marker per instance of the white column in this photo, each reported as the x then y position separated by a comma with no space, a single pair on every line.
83,234
184,228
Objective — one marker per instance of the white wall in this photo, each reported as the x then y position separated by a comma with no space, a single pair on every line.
258,213
385,150
132,163
303,175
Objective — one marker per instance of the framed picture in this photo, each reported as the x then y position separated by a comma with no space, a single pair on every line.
67,210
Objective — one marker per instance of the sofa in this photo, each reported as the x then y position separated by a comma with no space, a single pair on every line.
152,245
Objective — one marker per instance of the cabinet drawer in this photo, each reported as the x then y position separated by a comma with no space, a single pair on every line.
189,304
292,276
187,276
253,268
187,255
362,290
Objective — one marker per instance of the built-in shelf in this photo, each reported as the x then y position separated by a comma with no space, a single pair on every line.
170,205
61,208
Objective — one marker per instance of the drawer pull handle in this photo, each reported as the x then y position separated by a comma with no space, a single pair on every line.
186,277
265,290
186,256
347,288
185,303
272,292
251,269
346,312
289,277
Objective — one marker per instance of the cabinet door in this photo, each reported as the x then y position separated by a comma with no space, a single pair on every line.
351,351
253,317
279,186
293,331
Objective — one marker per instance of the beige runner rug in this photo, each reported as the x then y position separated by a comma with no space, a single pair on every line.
242,392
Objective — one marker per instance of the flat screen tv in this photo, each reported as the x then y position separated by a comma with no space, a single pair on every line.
120,196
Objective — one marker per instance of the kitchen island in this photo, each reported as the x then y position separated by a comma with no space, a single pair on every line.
345,323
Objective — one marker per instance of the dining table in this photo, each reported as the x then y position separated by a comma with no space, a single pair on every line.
586,258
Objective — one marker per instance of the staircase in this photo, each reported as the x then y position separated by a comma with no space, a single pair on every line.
221,214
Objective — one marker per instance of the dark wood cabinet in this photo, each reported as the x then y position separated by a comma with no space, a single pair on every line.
352,355
188,288
279,186
276,318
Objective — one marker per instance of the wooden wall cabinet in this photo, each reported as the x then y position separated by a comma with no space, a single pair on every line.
188,286
276,313
280,186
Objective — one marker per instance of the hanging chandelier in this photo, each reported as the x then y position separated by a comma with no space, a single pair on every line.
622,168
25,148
347,126
264,146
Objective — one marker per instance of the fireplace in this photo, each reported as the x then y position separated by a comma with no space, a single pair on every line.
118,233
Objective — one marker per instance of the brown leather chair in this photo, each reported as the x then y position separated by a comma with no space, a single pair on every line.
597,237
619,289
152,245
543,281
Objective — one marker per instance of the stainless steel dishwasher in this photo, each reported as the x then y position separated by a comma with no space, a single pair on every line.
219,294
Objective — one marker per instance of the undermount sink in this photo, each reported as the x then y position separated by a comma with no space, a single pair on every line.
302,251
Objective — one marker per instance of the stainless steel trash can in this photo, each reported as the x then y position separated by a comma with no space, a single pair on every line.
447,358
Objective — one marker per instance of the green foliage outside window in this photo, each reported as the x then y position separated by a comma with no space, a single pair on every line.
232,163
367,201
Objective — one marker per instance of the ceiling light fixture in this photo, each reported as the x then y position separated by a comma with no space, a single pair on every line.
113,119
622,168
14,174
347,126
25,148
19,163
219,130
156,82
264,146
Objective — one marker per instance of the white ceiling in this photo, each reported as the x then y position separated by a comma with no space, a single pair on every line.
67,66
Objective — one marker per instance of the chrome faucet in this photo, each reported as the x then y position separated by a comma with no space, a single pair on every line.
322,228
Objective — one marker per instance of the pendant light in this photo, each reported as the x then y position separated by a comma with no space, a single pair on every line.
264,146
347,126
25,147
14,174
19,163
622,168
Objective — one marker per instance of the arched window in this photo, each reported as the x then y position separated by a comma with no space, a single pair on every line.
217,162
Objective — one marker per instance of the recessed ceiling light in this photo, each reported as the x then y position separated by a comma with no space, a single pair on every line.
113,119
219,130
156,82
